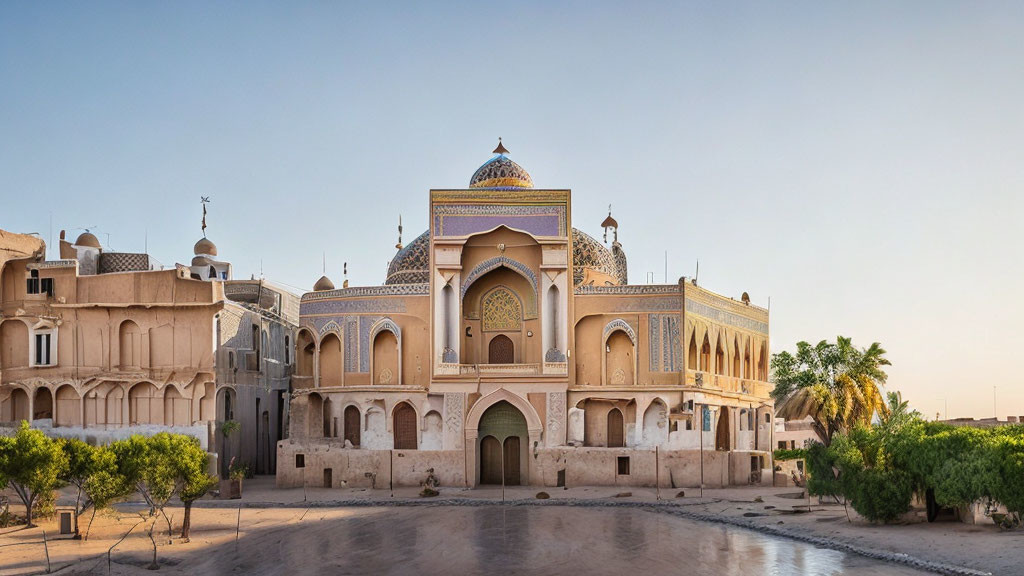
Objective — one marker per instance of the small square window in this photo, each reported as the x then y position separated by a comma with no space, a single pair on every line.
623,465
46,286
300,460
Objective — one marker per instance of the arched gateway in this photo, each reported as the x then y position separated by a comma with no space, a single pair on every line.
503,436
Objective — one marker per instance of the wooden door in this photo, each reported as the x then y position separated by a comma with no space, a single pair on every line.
490,461
352,425
511,455
405,427
616,429
501,350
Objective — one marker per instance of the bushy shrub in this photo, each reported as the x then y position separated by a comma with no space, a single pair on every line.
783,454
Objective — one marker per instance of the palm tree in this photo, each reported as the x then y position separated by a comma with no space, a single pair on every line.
837,384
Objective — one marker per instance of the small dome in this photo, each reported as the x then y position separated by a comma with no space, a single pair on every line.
205,247
88,239
589,253
324,283
201,261
412,263
609,222
500,172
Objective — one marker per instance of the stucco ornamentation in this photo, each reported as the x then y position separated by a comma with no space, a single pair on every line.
501,311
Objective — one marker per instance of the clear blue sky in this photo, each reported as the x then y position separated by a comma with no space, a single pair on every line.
860,164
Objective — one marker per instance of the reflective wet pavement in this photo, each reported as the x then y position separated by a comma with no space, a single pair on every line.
558,540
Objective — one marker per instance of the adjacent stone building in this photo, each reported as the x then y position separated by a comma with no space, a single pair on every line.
255,360
98,345
505,345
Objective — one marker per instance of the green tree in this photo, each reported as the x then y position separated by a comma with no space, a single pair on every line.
32,464
193,477
837,384
80,462
106,482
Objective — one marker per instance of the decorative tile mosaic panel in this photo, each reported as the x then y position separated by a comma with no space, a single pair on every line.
463,220
723,317
664,343
341,307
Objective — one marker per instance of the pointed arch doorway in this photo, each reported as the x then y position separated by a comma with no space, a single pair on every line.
503,434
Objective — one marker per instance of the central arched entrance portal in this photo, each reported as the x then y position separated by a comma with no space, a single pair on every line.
503,436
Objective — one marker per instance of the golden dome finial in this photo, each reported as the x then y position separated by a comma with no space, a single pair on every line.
399,245
501,148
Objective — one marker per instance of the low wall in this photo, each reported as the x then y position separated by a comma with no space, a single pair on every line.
357,468
99,435
354,468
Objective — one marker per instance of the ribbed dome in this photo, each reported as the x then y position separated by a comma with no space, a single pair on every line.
324,283
88,239
412,263
589,253
205,247
500,172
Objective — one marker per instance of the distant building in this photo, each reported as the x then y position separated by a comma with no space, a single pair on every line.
792,434
983,422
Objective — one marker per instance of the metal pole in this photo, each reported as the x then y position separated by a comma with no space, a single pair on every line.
657,472
46,549
701,425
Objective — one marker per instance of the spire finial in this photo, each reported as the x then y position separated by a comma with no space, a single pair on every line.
344,273
501,148
204,200
399,245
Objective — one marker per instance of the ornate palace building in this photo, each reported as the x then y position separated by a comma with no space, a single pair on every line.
505,345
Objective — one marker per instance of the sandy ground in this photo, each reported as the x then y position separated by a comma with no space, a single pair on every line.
370,535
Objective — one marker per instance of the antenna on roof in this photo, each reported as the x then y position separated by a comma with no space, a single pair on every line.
204,200
697,273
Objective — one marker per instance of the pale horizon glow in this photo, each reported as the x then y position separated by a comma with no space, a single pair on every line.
860,165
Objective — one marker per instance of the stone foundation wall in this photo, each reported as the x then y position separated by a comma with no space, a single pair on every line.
582,466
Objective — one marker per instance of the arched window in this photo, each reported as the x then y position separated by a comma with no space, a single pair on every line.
130,342
719,358
619,359
330,361
762,364
328,428
747,368
705,355
13,344
304,351
552,320
737,370
385,358
176,408
404,427
616,429
691,356
69,406
448,336
144,404
352,430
